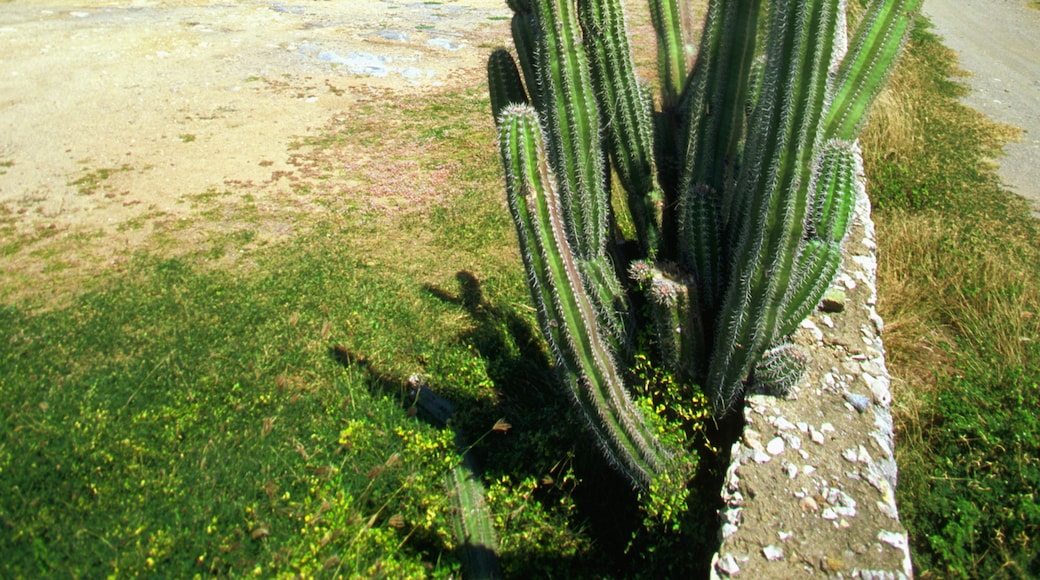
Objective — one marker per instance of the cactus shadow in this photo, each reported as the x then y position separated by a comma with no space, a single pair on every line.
548,436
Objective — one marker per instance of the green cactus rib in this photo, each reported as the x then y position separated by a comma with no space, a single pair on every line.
473,525
756,219
704,250
771,216
571,116
825,20
627,115
874,47
504,84
566,312
541,38
671,49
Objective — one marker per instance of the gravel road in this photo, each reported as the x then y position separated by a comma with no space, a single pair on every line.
997,41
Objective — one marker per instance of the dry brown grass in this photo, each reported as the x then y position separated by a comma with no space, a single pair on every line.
942,287
918,344
943,283
891,127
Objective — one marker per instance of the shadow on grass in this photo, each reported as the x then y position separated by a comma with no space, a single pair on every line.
529,394
547,444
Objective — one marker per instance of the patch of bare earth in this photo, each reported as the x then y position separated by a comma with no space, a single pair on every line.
123,120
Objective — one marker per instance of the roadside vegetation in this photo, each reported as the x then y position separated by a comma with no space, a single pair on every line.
241,404
959,284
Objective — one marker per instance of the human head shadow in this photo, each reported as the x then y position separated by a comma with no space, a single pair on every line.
504,339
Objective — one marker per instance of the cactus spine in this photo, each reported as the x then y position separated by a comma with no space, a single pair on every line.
740,188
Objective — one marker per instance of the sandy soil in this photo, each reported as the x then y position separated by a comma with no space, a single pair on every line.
996,41
110,111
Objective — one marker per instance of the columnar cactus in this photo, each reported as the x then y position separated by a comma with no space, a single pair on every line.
740,188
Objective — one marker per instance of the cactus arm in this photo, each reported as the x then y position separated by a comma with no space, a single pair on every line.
714,107
571,116
772,211
566,312
704,250
755,218
556,72
874,47
779,276
474,526
817,264
834,193
627,115
780,368
715,100
816,44
671,49
504,84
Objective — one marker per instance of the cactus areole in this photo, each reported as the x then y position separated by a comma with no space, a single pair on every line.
740,186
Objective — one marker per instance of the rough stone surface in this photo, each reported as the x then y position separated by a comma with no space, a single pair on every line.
820,502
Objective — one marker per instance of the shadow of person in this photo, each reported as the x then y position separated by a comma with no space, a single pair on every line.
517,361
547,440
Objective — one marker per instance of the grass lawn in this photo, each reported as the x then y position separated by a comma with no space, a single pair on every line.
243,407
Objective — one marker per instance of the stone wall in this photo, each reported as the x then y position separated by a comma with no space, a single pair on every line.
810,487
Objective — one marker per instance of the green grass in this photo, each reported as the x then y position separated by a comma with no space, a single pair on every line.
180,419
190,422
241,408
92,180
959,278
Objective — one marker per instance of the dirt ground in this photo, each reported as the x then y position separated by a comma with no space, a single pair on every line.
115,111
110,111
